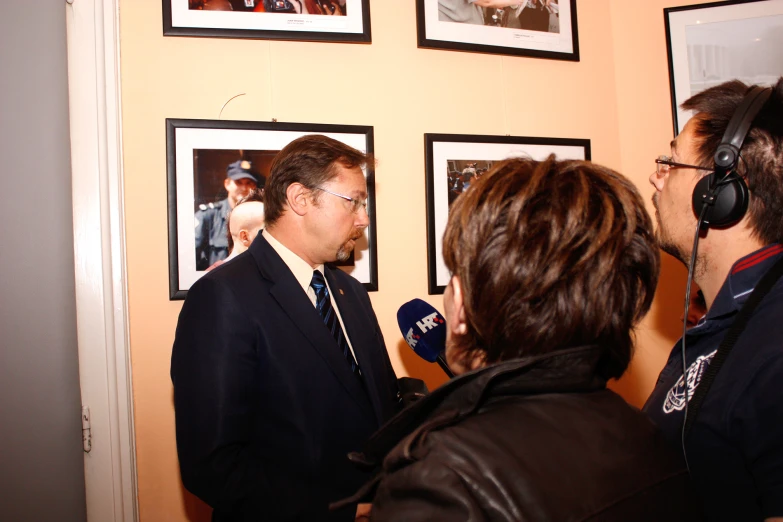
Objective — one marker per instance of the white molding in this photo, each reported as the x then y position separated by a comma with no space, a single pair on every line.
99,253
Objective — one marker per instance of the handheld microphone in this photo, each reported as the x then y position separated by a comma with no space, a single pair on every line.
424,329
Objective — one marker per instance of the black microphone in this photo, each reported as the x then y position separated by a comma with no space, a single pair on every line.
424,329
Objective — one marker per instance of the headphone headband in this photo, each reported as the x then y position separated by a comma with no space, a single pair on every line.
721,198
727,154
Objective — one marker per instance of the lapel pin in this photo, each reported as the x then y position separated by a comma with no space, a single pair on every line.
341,292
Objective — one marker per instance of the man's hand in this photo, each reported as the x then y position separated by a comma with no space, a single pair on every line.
363,512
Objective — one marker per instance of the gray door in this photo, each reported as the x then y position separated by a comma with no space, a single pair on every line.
41,461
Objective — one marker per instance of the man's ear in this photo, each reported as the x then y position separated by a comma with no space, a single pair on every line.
244,237
298,198
457,322
226,183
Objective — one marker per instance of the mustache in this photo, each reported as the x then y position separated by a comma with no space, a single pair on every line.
356,234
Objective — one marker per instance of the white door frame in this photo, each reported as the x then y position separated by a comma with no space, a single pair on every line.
99,254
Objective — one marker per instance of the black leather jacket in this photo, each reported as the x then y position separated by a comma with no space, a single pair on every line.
538,438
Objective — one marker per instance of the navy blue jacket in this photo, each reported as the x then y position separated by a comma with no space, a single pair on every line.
735,447
267,407
211,233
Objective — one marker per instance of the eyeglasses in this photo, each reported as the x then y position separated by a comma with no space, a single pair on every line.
356,204
663,164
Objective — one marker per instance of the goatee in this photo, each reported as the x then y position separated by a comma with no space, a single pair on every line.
344,252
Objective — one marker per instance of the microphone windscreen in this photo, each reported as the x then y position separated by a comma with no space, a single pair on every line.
423,328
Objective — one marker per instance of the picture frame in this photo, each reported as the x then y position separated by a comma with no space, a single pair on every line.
270,19
452,160
709,44
198,154
529,28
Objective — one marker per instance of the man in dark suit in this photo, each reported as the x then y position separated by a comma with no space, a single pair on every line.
279,366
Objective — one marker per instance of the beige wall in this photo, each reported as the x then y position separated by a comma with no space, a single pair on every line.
617,96
645,123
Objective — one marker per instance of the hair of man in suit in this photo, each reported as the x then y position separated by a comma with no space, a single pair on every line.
761,162
309,160
248,219
550,255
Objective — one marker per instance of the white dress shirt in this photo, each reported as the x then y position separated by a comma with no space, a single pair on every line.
303,273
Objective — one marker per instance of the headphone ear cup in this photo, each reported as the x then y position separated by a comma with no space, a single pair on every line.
731,200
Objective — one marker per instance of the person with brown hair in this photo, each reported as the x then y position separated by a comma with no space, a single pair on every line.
553,263
719,398
279,365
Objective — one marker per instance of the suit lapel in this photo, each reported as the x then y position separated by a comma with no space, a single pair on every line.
295,303
361,335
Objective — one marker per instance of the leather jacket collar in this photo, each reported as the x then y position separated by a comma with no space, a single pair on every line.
568,370
563,371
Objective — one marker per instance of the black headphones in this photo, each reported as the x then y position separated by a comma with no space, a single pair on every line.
724,192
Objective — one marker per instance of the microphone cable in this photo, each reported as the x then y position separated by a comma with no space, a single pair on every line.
689,283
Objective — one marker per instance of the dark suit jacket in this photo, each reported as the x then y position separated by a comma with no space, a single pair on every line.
266,405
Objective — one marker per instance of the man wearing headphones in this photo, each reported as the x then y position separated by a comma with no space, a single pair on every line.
723,404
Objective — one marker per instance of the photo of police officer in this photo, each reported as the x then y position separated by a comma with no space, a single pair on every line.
217,189
214,199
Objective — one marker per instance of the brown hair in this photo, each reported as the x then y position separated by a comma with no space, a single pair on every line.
551,255
308,160
761,156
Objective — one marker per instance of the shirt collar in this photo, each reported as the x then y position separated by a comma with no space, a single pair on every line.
743,278
301,269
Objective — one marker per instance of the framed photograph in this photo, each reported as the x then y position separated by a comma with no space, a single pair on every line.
709,44
455,161
204,156
535,28
315,20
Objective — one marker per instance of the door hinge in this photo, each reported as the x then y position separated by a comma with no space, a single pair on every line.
86,432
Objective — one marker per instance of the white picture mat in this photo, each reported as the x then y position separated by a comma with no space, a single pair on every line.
561,42
352,22
732,27
443,151
190,139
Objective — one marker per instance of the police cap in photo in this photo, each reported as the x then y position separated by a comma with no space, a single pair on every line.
243,169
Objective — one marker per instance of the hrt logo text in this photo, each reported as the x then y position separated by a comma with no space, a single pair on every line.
429,322
411,338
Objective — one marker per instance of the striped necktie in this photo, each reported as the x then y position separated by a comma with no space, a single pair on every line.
324,306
